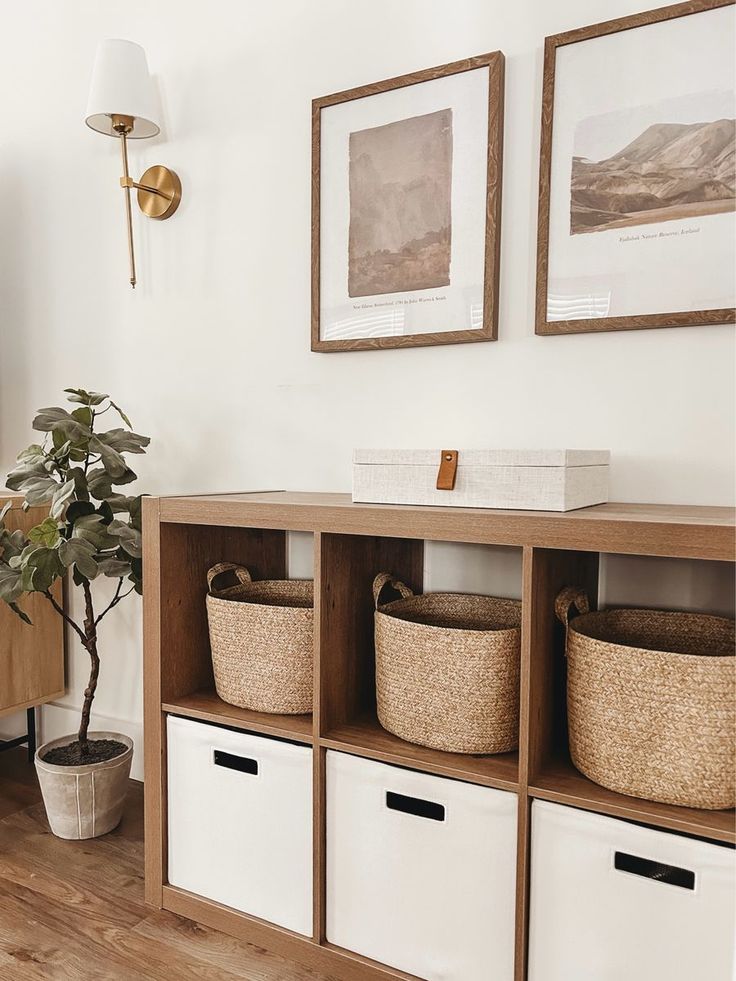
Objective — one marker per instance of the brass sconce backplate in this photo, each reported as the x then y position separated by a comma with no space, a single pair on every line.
159,193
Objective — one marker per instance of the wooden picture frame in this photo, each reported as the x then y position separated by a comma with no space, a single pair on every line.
489,260
594,321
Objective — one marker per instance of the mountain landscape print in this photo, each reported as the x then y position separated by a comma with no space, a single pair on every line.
670,170
400,206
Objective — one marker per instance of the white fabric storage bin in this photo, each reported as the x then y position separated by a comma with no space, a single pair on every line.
613,901
536,480
420,871
240,821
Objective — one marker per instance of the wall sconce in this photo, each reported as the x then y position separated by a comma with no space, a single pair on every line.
123,104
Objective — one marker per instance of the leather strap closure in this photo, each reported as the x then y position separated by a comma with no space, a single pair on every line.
447,473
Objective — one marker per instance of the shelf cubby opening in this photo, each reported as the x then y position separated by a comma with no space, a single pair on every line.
348,717
187,681
610,581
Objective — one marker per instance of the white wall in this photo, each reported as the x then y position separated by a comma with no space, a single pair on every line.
211,353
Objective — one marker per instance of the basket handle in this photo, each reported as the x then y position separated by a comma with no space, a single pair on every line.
567,598
384,579
241,573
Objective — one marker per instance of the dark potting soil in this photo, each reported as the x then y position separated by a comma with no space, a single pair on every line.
98,751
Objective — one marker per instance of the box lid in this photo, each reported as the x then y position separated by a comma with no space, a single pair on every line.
486,458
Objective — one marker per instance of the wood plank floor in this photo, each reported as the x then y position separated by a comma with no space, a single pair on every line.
74,911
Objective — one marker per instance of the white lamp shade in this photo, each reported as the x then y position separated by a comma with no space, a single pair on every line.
122,86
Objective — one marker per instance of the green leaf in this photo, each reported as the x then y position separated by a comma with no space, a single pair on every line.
86,398
127,478
48,418
32,454
120,503
55,419
80,482
62,451
130,538
79,553
124,441
122,415
99,483
75,432
77,509
114,568
112,461
12,543
37,566
136,512
23,473
106,512
27,574
77,395
91,528
39,490
61,444
83,414
136,576
47,533
6,508
45,566
10,587
61,499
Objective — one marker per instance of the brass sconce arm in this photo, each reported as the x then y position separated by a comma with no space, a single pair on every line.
159,189
129,182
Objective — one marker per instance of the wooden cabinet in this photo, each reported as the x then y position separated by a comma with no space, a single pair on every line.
183,537
31,657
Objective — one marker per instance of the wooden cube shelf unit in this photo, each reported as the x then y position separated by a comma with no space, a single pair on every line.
184,536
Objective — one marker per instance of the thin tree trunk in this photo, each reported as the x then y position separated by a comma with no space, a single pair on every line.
90,643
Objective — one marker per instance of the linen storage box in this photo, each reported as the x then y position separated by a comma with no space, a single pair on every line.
650,702
261,637
421,871
240,821
447,669
613,901
537,480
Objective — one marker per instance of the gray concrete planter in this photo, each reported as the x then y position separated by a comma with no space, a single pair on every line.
84,801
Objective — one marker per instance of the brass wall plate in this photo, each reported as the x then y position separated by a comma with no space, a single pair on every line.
164,204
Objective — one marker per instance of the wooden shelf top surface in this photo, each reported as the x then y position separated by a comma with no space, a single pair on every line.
207,706
684,531
365,737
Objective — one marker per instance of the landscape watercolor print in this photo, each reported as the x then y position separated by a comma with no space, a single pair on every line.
673,160
400,177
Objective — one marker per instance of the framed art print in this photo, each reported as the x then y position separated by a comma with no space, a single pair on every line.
406,209
637,187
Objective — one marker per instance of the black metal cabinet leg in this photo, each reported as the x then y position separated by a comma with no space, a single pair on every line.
29,738
31,717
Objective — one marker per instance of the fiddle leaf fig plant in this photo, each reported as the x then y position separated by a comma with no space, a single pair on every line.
93,529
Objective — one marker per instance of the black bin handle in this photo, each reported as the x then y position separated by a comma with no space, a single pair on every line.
415,805
658,871
244,764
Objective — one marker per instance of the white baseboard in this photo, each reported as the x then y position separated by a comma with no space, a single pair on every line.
59,720
13,725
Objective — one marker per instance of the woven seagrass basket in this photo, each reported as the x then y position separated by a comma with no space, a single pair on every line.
650,702
447,669
261,637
